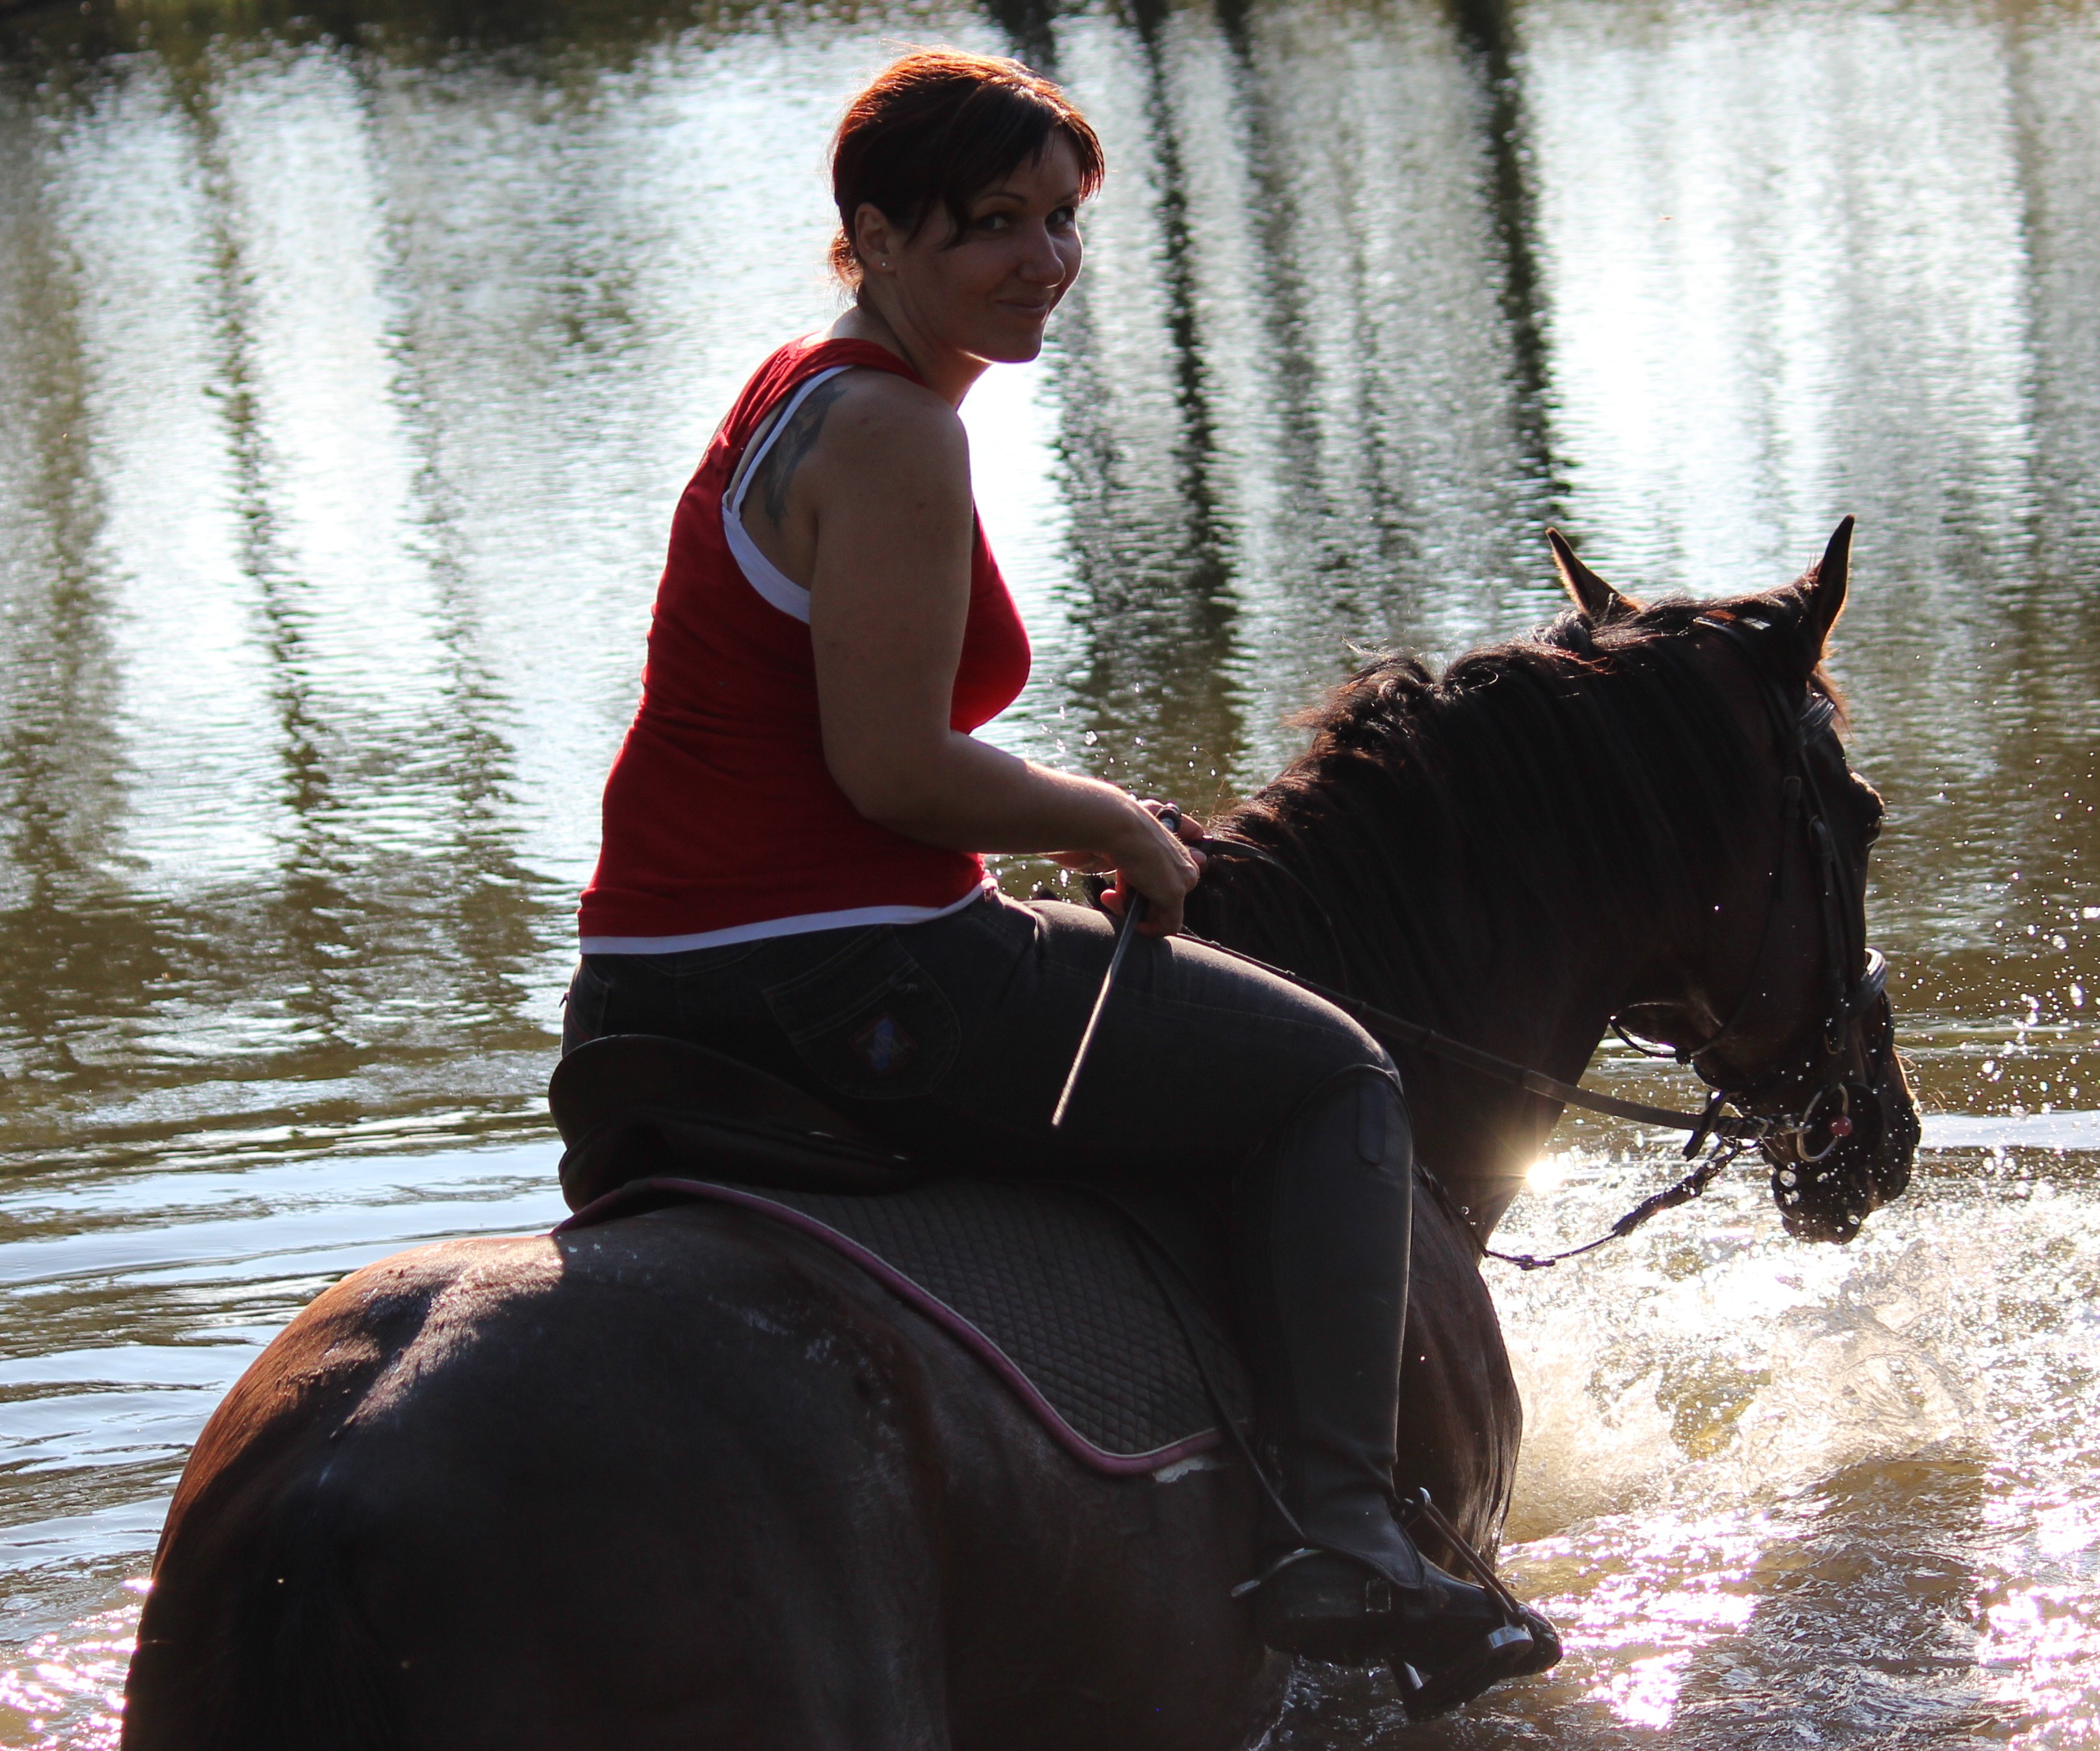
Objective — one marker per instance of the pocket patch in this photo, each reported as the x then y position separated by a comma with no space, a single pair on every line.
868,1022
885,1044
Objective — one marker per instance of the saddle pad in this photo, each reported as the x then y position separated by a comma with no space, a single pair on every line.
1048,1286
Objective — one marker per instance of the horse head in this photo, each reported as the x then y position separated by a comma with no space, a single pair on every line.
1771,991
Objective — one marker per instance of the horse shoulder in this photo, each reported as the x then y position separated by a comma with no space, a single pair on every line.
1460,1418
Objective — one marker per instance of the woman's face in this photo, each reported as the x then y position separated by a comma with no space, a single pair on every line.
990,295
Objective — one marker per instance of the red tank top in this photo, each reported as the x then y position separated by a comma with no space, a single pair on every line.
722,822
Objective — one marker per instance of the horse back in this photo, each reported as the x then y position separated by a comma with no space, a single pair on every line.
686,1479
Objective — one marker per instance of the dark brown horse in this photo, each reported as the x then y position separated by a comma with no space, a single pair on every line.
687,1480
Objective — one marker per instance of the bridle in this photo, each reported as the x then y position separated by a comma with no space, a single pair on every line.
1835,1069
1842,903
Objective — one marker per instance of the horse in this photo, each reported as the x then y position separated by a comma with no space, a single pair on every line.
688,1478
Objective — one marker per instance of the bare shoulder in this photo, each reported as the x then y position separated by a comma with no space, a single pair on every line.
879,415
863,428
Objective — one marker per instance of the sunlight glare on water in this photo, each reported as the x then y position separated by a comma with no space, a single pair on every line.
350,364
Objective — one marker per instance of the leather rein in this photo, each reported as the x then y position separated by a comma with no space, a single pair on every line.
1728,1134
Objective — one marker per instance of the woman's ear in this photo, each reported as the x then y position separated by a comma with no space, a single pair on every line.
875,239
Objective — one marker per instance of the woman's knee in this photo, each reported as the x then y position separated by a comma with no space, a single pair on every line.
1330,1040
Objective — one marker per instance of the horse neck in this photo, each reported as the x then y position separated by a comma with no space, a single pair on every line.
1536,986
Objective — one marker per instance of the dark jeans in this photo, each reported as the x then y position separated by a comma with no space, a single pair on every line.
952,1038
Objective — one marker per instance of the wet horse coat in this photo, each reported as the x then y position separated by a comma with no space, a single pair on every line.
692,1479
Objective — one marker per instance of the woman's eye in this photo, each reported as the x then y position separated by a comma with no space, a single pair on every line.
992,223
1064,219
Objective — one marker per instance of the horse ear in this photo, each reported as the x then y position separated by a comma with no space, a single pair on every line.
1589,592
1824,583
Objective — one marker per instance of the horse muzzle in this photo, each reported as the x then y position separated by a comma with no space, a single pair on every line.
1852,1150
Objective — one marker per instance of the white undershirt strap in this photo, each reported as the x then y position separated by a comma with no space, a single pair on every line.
761,573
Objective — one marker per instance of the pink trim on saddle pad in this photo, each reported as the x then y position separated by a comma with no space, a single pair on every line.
915,1295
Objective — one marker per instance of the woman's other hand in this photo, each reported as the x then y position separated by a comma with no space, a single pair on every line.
1160,863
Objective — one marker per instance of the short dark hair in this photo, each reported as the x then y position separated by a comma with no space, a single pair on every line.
942,127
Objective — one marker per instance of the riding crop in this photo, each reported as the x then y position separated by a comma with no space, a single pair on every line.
1134,911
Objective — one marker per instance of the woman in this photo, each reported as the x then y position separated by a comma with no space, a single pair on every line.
790,868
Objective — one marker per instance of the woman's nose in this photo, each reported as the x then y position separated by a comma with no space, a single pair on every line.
1044,262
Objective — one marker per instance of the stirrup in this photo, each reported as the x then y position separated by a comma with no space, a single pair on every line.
1515,1651
1524,1645
1512,1651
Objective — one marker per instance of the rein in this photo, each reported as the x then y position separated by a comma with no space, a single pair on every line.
1389,1027
1729,1134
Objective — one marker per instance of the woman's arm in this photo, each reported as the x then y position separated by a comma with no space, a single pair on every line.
886,484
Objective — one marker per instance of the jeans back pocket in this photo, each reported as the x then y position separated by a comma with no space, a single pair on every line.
868,1021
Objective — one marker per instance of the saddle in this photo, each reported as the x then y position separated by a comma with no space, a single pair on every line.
632,1105
1100,1308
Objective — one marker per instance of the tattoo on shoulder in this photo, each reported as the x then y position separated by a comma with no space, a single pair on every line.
776,473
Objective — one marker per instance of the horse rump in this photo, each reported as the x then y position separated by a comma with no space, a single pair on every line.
259,1642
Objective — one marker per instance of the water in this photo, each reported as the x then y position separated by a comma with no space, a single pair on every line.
350,361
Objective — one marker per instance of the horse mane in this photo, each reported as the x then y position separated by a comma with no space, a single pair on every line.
1578,769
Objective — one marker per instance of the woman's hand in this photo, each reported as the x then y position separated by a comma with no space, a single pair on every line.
1150,859
1100,863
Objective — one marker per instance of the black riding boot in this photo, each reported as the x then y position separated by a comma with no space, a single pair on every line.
1323,1227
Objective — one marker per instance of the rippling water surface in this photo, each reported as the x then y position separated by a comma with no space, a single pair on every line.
351,362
